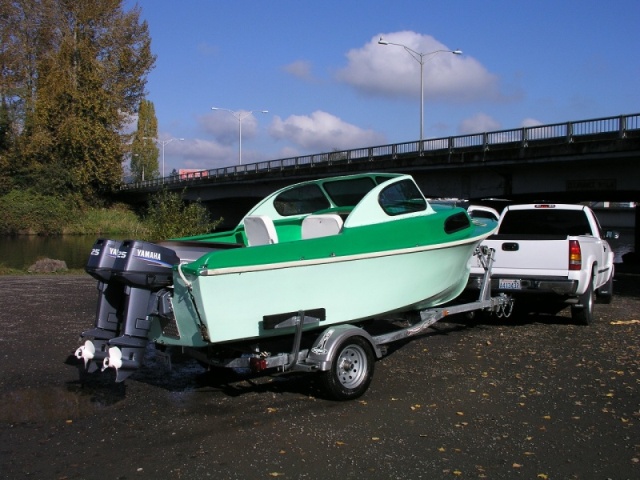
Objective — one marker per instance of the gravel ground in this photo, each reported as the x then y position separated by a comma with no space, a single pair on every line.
532,398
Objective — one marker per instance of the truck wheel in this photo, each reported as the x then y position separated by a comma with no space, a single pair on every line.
583,314
605,292
351,369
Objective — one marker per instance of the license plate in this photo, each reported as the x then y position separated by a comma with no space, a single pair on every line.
504,284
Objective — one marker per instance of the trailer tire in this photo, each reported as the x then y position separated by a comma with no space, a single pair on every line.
583,314
351,369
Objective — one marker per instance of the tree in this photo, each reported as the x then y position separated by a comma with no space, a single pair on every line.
144,151
72,73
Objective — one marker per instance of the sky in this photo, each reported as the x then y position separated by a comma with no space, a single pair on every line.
327,84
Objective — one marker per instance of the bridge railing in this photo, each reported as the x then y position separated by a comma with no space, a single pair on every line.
619,126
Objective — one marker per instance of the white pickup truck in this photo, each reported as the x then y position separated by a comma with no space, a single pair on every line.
550,253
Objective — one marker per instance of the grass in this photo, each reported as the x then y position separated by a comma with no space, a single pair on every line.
117,221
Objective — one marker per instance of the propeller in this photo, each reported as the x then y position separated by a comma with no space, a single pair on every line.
114,360
86,352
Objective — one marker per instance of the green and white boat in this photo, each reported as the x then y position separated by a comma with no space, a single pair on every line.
332,251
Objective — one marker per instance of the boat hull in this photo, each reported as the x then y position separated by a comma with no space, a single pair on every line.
232,304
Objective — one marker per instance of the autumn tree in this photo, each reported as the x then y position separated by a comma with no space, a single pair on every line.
73,73
144,151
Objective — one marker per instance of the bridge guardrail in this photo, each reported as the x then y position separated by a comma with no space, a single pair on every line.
621,126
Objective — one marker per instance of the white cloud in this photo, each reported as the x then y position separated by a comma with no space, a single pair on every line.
391,71
300,69
322,132
225,128
530,122
478,123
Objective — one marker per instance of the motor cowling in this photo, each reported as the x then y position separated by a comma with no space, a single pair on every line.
143,268
100,266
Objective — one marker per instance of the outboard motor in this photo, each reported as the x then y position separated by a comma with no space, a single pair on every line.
143,269
100,266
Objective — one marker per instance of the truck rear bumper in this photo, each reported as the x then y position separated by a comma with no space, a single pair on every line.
522,285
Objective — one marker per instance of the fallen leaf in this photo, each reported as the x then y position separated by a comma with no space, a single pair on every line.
340,443
271,410
460,413
516,465
276,474
544,476
625,322
375,439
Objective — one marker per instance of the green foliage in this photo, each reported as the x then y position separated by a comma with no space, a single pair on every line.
72,75
30,212
169,217
144,151
27,211
118,221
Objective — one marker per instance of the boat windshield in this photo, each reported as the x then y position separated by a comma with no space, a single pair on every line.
310,197
347,193
303,199
402,197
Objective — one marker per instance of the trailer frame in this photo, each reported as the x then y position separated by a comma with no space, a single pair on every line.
344,354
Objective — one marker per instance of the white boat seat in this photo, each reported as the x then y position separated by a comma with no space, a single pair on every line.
322,225
260,230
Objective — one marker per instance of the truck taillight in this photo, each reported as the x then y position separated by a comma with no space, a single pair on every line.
575,255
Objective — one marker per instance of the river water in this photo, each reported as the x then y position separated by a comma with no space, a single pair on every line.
22,251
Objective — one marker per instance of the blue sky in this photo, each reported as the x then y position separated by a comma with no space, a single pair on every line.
318,69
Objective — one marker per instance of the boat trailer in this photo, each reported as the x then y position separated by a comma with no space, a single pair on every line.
343,355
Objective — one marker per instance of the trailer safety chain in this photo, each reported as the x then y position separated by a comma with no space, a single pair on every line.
189,285
505,308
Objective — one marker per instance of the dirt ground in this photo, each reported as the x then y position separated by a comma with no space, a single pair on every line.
534,398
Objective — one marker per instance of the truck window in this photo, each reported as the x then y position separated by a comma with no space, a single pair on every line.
545,222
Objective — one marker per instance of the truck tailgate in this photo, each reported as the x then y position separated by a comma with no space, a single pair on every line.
550,255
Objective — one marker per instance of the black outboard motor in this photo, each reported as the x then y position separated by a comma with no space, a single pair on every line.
108,315
143,269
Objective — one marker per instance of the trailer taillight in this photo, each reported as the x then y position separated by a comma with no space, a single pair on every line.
575,255
257,364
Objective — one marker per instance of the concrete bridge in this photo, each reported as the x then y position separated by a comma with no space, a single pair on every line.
586,160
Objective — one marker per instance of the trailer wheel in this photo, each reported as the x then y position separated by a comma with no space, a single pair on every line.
351,369
583,314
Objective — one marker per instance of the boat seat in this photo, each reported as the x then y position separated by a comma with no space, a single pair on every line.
260,230
314,226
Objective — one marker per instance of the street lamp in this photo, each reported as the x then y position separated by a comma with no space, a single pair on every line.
240,115
163,143
419,57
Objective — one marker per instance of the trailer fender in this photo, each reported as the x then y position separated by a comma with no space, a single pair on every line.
323,352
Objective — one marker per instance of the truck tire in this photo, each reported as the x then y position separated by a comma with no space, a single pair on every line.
351,369
605,292
582,313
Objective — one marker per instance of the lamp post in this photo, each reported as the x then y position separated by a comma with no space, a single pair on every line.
240,115
163,143
419,57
